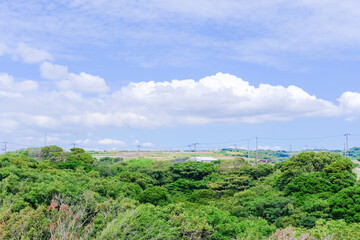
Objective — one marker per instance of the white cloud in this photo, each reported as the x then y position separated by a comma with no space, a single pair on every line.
145,144
10,88
51,139
3,49
221,98
24,53
29,54
272,148
84,82
350,105
53,71
70,81
256,31
11,124
86,141
148,144
108,141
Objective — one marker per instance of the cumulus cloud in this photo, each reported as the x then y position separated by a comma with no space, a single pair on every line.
70,81
53,71
10,88
350,105
108,141
221,98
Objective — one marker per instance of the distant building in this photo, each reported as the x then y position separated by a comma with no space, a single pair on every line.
179,160
203,159
265,161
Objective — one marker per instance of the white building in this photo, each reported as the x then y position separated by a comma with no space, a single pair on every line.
203,159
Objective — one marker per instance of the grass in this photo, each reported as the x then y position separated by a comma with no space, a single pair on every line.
138,162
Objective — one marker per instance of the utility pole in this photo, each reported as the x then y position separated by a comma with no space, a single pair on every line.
235,149
5,144
256,158
138,149
347,144
45,140
248,150
74,145
195,146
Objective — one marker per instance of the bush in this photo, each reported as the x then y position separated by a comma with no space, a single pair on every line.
192,170
75,164
154,195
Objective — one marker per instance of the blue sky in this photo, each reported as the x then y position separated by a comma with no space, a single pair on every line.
164,74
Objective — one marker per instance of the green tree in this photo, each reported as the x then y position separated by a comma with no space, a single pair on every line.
52,153
192,170
340,174
308,183
305,162
271,208
79,154
154,195
346,204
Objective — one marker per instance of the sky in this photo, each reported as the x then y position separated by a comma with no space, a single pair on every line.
113,74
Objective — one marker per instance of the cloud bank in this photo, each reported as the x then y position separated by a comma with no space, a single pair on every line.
220,98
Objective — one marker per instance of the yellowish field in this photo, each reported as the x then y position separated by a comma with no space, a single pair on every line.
161,155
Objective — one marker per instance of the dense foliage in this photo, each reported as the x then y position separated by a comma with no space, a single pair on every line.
53,194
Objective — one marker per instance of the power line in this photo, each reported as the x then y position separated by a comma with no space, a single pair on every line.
292,143
190,147
18,144
233,141
307,138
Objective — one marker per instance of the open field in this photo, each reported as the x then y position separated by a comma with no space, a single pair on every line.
171,155
161,155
